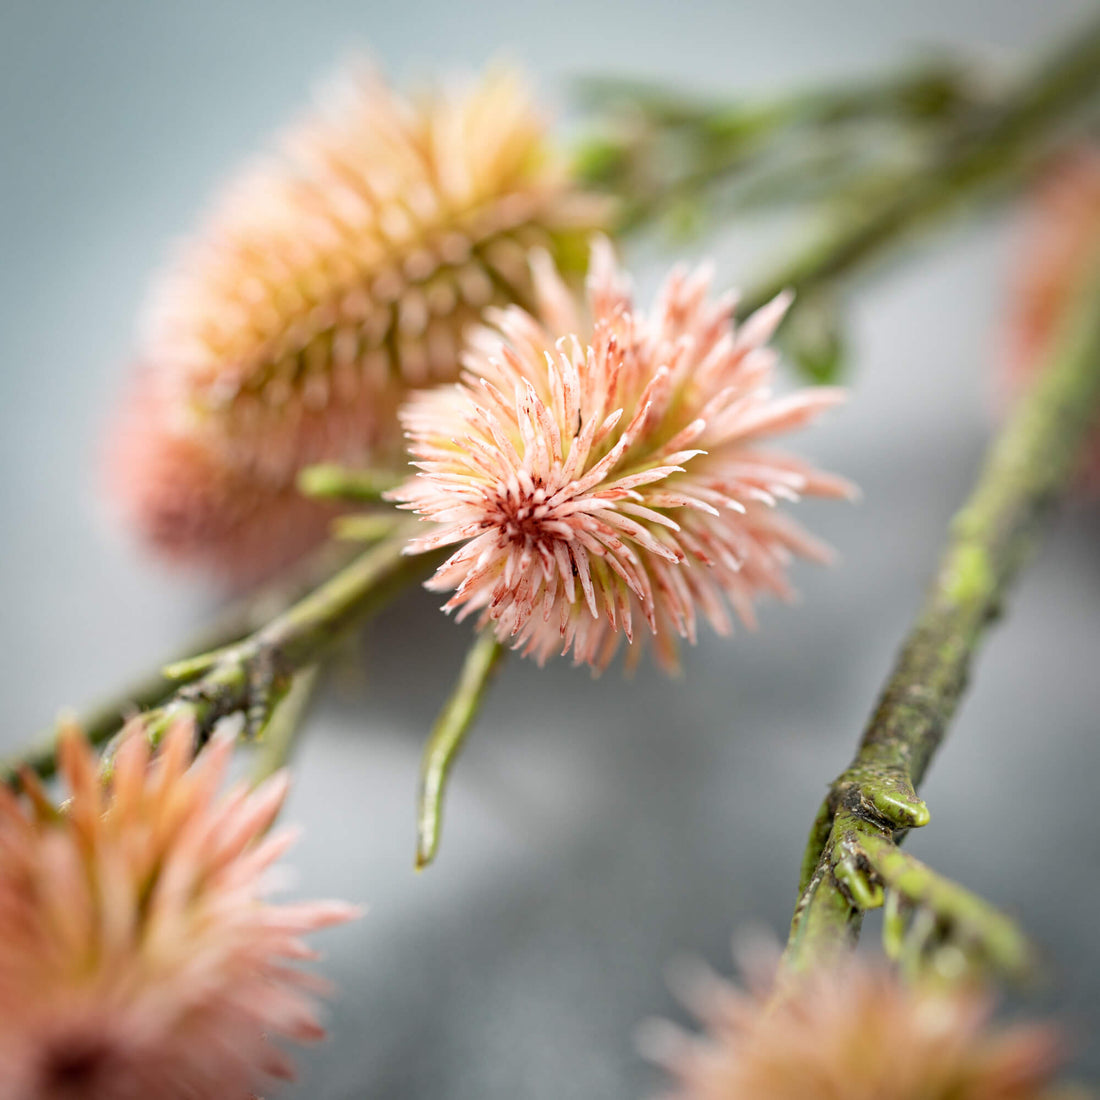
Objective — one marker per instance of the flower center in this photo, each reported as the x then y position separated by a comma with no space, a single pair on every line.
77,1067
521,514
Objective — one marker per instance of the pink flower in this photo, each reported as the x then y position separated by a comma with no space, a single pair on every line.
187,499
329,279
607,477
138,957
853,1031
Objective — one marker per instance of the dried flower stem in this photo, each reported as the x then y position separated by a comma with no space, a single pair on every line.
851,854
447,738
1003,143
365,527
102,721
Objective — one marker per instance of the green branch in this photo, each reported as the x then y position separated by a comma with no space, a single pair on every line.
101,722
447,737
851,855
661,150
252,676
1003,143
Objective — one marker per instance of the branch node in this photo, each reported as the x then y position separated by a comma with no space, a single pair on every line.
864,891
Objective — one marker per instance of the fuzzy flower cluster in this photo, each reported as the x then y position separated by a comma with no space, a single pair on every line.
331,278
611,477
138,956
196,508
1063,239
853,1031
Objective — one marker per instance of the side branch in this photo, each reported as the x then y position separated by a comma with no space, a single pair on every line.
252,676
244,616
851,855
1001,144
447,738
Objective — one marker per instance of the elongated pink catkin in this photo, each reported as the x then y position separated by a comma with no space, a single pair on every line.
329,279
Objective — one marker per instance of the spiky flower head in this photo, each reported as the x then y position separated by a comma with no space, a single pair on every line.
1062,240
343,269
851,1030
138,955
613,476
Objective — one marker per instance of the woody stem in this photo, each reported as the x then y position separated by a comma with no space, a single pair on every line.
1028,466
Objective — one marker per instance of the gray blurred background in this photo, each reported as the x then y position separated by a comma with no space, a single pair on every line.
595,829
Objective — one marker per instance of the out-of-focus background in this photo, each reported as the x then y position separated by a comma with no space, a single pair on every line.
595,828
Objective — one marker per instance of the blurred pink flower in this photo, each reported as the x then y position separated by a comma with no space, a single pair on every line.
328,280
138,957
854,1031
185,497
1062,239
614,475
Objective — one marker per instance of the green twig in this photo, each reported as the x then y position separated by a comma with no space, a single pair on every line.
252,676
851,853
447,738
867,868
102,721
364,527
1002,143
330,482
925,90
971,921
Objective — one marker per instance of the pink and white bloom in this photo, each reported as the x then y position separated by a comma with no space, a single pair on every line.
610,477
851,1029
138,954
343,267
183,495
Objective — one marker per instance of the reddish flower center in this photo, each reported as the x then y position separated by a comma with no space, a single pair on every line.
521,516
77,1066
